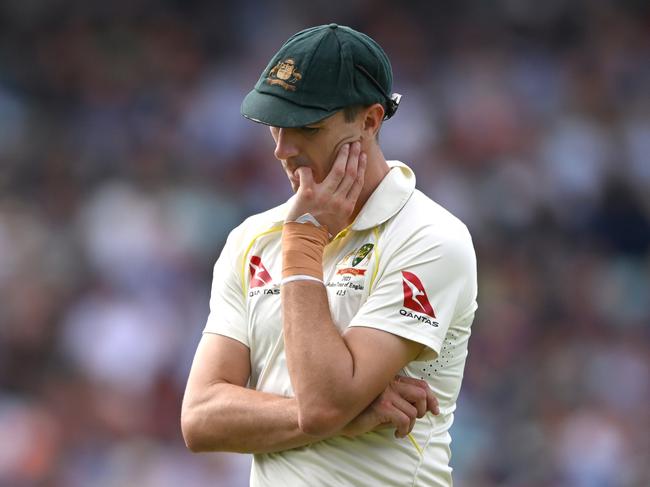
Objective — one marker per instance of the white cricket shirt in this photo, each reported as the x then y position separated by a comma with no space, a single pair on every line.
407,266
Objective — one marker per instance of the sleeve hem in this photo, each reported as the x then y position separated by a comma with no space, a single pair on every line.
433,344
234,336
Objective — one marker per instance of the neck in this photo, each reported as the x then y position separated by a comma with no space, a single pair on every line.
376,170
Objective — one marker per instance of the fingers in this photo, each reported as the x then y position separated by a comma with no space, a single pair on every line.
333,200
405,428
432,403
344,173
396,411
405,408
417,392
333,180
350,171
402,422
357,185
306,179
402,402
414,394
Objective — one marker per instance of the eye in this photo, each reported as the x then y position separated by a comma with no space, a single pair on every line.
310,130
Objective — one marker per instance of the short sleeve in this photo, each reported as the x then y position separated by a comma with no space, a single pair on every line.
227,306
421,288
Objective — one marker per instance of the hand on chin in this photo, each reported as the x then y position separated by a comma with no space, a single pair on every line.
331,201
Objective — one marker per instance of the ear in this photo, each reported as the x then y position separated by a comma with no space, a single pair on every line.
372,119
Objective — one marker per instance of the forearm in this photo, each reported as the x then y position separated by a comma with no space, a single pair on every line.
321,366
334,376
238,419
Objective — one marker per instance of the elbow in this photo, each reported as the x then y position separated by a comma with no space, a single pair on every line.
190,432
192,444
321,422
194,434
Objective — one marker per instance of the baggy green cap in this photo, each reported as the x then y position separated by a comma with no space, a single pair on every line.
316,73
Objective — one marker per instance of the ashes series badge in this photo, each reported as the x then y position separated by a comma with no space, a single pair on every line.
351,271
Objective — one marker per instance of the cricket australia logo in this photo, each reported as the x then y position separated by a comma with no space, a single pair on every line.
351,271
284,74
416,299
362,253
351,261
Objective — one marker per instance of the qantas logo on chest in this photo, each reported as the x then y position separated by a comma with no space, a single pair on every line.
415,297
259,275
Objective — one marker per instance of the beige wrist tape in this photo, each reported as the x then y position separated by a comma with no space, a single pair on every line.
302,249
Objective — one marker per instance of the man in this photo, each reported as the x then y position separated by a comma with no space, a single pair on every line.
334,315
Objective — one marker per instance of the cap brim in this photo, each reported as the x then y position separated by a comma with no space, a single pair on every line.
278,112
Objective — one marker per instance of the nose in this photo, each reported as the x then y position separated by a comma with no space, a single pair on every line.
285,146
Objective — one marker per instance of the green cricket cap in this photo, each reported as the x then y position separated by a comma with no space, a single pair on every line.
318,72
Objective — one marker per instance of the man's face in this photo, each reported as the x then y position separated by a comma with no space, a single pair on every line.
314,146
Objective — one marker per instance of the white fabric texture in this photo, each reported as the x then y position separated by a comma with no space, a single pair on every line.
405,266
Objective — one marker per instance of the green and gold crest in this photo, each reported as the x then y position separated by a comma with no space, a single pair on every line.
362,253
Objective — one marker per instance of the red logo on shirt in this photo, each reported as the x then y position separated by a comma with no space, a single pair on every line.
352,271
415,297
259,275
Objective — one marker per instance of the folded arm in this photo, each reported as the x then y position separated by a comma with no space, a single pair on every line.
335,376
220,413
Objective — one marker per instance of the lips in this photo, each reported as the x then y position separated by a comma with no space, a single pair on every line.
292,174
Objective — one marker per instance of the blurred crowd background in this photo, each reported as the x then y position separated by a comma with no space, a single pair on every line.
124,163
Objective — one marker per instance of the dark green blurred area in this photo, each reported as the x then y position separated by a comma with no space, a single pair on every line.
124,163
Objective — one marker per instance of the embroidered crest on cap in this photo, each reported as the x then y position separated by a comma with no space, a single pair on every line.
284,74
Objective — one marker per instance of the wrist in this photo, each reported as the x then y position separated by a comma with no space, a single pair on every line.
308,218
302,249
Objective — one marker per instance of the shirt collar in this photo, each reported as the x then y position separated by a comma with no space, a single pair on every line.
388,198
385,201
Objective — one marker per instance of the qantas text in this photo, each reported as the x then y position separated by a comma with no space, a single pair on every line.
423,319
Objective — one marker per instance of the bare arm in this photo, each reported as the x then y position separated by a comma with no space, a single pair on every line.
220,414
334,375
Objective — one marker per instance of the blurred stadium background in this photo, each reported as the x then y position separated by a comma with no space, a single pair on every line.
124,163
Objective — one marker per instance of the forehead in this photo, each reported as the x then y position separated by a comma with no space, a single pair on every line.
333,119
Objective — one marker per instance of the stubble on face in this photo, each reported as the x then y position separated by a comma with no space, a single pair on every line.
334,127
